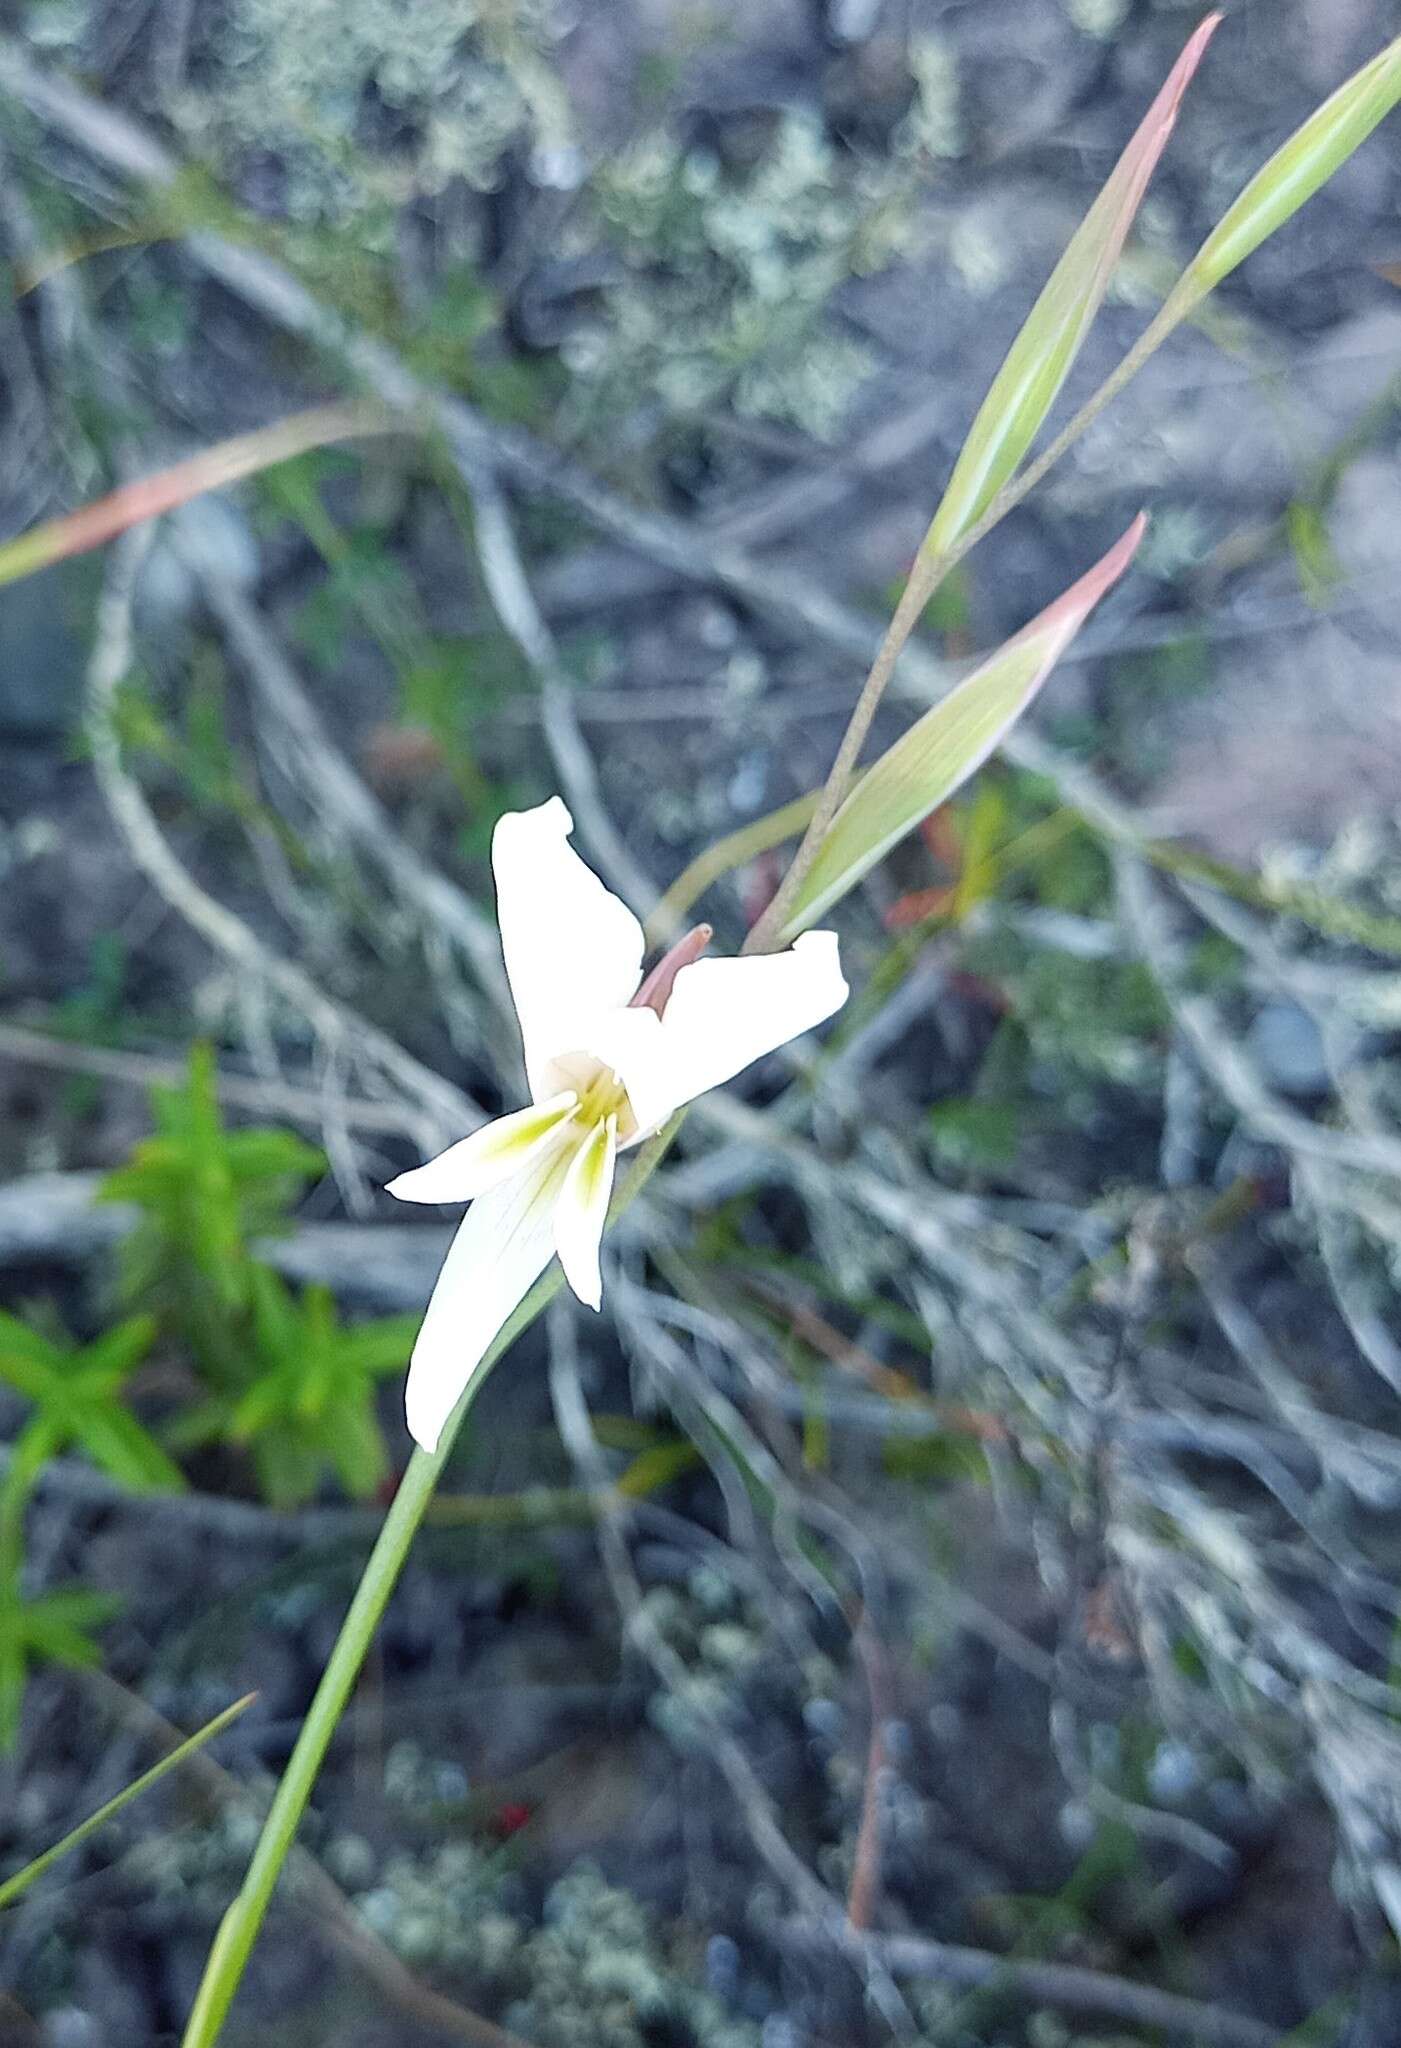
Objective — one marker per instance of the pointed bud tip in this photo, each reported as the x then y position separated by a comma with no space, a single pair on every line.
1122,552
1163,115
655,991
1196,47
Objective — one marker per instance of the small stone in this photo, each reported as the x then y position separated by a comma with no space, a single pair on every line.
1078,1824
1173,1773
824,1719
721,1965
68,2026
207,536
1285,1041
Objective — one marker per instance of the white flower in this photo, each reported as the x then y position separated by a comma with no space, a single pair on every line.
608,1058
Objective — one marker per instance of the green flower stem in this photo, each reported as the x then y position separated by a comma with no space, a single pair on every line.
238,1931
239,1928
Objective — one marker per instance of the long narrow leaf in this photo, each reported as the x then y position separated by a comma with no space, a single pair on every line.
14,1886
1041,357
92,525
944,747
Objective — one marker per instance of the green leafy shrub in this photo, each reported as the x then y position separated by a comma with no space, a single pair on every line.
310,1408
54,1628
204,1194
281,1378
76,1392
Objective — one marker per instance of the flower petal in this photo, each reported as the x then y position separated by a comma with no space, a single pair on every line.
725,1014
573,950
495,1152
582,1211
503,1245
630,1044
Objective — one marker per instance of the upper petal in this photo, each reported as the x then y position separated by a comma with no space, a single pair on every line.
573,951
629,1043
502,1247
724,1014
498,1150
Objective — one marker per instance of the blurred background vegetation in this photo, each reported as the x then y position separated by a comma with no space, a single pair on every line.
977,1504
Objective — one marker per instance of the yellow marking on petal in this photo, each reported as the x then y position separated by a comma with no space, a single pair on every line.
582,1210
519,1133
488,1156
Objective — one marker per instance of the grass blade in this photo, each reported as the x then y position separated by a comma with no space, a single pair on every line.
92,525
14,1886
944,747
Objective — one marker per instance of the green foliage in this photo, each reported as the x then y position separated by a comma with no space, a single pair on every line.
1315,557
310,1407
936,755
1044,352
462,310
1103,1017
54,1628
92,1012
1038,1921
283,1380
976,1133
445,681
196,751
941,1459
76,1393
1293,174
204,1194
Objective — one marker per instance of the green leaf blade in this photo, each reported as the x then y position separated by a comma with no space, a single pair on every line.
950,742
14,1886
116,1442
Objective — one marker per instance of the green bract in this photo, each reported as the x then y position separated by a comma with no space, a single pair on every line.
1294,173
941,750
1041,357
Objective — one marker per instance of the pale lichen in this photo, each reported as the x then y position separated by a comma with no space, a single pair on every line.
1099,18
723,280
304,86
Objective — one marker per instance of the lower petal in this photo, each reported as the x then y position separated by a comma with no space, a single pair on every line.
582,1211
503,1245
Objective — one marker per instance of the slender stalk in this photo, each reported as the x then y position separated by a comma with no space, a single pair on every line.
916,594
239,1928
1174,310
238,1931
718,859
